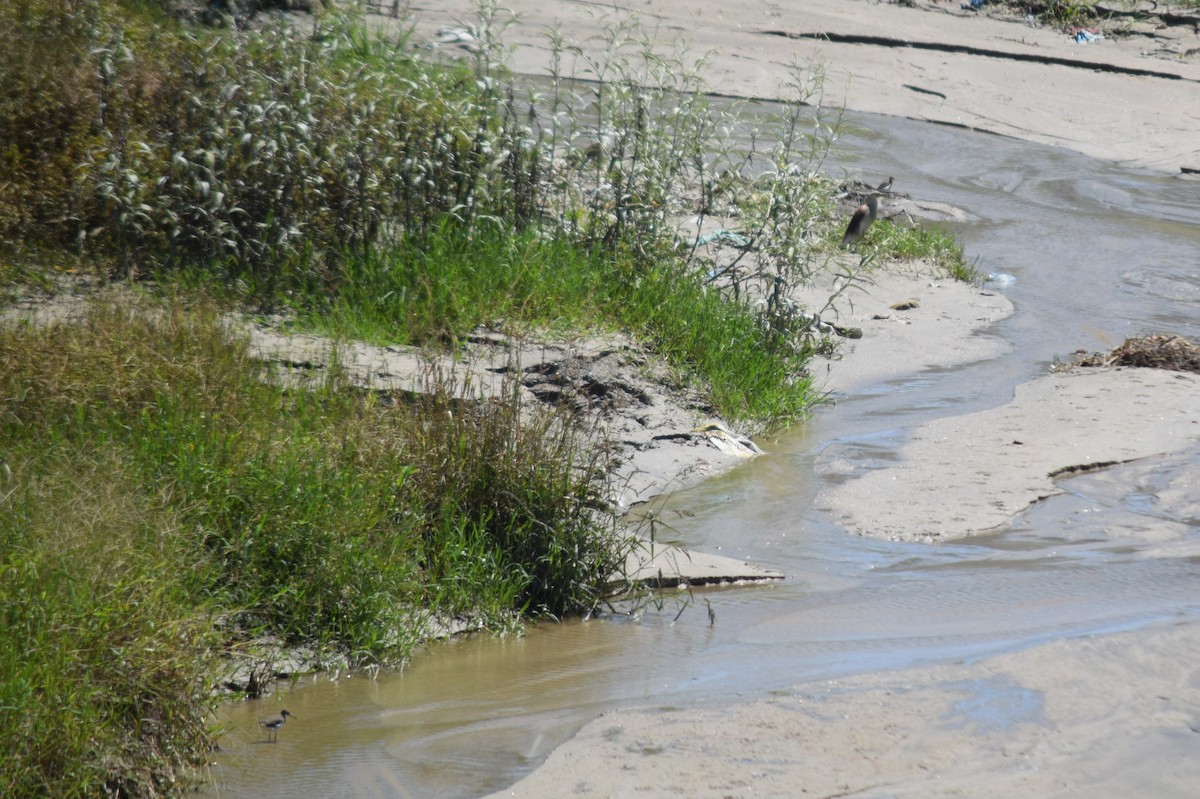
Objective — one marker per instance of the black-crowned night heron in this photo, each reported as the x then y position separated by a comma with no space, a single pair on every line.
273,724
862,219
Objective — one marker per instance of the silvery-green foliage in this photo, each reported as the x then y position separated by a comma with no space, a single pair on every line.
290,150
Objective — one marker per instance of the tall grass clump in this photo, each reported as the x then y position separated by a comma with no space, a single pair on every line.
106,653
941,249
164,498
507,498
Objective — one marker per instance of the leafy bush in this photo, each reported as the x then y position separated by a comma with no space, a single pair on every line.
262,152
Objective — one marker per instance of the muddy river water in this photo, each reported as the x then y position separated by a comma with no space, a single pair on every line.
1096,252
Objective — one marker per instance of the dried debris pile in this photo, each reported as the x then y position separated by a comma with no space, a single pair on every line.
1154,352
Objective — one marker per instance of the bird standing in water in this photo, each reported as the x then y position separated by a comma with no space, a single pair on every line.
273,724
862,219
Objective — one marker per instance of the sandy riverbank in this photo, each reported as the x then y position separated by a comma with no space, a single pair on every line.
1126,98
1108,716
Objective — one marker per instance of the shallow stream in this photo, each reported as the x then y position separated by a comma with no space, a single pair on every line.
1098,252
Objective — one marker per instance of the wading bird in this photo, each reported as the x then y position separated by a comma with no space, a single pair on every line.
273,724
861,220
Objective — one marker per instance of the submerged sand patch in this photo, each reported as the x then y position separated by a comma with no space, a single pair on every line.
1061,720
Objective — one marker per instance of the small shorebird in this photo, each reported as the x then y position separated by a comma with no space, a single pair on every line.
273,724
862,219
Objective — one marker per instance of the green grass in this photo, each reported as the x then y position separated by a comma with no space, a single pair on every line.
165,501
439,288
105,654
886,239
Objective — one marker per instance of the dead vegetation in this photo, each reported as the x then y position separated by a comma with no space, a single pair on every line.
1153,352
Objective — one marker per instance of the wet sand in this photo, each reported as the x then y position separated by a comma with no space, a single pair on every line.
1114,715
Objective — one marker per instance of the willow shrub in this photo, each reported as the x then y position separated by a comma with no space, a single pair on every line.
264,153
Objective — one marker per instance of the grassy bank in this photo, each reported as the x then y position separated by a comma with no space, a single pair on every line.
164,502
531,282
